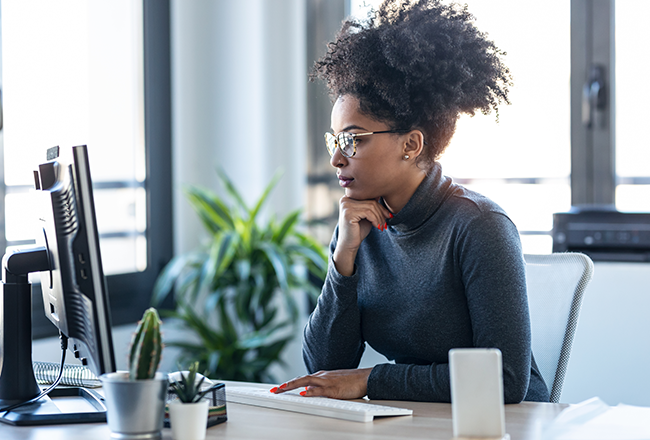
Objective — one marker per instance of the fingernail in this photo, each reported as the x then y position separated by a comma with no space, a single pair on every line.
283,386
273,390
302,393
385,226
379,227
391,214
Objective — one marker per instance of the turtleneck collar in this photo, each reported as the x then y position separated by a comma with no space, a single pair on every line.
432,192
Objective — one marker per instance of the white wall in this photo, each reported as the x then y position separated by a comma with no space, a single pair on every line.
611,350
239,79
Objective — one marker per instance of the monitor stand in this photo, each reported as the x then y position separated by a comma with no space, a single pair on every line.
17,380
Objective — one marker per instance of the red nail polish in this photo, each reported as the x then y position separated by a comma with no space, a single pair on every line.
273,390
385,226
391,214
303,393
283,386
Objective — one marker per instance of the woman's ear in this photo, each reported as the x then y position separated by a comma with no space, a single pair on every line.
413,144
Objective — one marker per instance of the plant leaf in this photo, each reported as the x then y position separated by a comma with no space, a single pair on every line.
231,190
211,210
168,276
260,202
287,225
278,261
226,250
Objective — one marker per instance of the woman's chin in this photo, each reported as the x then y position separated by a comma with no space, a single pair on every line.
359,195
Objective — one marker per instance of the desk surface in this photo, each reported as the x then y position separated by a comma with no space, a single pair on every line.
429,421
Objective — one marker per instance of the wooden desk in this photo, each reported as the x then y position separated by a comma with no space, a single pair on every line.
429,421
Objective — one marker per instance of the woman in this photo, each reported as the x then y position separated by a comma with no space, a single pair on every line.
418,265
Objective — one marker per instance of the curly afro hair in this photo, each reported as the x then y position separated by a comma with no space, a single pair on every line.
417,65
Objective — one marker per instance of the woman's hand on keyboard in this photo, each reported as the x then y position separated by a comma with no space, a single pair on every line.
338,384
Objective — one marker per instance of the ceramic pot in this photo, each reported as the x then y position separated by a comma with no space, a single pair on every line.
135,408
188,420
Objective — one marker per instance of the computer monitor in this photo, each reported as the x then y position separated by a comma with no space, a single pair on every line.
74,290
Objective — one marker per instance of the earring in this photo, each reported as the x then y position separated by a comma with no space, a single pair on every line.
406,157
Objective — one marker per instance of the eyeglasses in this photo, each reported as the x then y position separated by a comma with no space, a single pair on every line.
347,142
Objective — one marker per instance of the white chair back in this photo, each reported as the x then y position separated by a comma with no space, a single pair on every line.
555,283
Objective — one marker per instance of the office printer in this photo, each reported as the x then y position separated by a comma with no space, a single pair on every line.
603,234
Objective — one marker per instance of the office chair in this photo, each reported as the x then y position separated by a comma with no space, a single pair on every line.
555,283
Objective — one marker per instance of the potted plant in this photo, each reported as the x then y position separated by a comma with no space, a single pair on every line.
236,293
135,399
188,415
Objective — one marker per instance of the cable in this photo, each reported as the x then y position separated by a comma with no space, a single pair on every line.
64,349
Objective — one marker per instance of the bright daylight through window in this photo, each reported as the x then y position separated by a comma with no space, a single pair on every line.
77,96
523,161
632,92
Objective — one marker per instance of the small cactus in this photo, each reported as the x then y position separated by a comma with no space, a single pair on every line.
146,347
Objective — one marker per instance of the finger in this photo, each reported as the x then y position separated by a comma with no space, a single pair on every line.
383,213
354,211
313,391
300,382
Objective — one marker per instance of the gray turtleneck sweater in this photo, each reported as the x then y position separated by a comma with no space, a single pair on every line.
448,272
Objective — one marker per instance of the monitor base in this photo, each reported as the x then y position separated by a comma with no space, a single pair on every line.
63,406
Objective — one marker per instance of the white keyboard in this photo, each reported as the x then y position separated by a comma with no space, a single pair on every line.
318,406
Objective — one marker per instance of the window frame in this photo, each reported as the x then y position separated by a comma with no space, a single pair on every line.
593,178
593,149
130,293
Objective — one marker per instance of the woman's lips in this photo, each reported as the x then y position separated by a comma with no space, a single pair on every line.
345,181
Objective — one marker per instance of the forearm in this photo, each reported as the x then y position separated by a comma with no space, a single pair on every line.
332,336
430,383
343,260
427,383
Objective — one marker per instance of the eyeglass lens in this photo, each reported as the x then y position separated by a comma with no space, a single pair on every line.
344,140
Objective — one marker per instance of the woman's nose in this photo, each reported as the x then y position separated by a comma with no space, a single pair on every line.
337,160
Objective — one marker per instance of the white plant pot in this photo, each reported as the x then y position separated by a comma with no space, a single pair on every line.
189,420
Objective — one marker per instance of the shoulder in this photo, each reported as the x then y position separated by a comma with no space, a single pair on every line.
479,222
472,202
470,209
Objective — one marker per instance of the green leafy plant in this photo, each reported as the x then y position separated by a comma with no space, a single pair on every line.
236,292
187,389
146,347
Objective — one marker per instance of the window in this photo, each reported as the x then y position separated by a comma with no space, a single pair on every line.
78,86
523,162
632,140
542,157
94,73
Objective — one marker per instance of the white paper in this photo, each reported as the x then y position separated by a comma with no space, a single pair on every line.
594,420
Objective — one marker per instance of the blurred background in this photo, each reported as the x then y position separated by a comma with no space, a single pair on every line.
165,92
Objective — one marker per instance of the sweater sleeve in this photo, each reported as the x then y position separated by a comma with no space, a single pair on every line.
490,263
332,337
